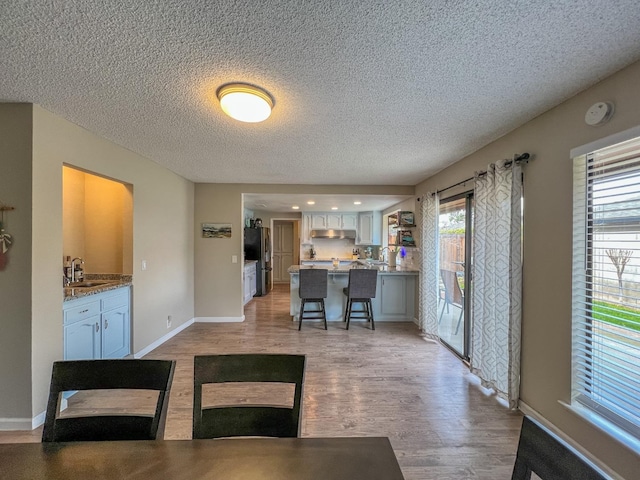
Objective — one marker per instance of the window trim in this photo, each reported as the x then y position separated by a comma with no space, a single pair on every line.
580,404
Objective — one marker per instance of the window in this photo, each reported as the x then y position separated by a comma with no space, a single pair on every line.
606,283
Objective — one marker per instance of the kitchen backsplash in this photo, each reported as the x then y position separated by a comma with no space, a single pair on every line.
335,248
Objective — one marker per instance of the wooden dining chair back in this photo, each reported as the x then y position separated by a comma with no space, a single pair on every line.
361,289
77,375
313,289
550,458
243,419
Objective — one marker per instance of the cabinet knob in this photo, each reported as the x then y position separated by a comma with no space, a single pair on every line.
106,323
97,327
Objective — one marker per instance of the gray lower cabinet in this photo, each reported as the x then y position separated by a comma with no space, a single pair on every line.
396,297
98,326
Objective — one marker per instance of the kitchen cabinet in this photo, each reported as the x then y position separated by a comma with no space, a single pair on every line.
369,228
305,235
397,296
350,221
249,282
334,221
319,221
98,326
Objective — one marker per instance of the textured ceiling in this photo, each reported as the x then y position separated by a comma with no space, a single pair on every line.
380,92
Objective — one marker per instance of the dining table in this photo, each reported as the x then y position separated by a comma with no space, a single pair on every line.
344,458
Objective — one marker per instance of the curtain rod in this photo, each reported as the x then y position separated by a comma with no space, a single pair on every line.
517,158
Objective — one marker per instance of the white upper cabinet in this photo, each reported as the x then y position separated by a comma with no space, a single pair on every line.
305,235
369,228
334,221
349,221
319,221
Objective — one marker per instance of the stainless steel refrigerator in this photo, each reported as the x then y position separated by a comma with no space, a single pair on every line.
257,247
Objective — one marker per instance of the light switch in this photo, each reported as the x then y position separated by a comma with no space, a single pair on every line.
144,264
234,258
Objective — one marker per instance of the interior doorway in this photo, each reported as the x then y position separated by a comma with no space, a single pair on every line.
455,230
285,249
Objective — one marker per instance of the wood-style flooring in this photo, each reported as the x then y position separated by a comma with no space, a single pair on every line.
388,382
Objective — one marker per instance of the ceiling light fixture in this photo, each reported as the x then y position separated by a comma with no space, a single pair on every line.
311,202
357,203
334,208
295,207
244,102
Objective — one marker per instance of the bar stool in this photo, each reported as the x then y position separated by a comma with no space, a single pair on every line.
361,289
313,289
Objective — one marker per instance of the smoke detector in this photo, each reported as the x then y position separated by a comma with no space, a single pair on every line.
599,113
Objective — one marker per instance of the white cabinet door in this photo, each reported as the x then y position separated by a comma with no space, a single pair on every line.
249,286
318,221
365,228
305,236
115,333
82,339
334,221
252,281
369,228
349,221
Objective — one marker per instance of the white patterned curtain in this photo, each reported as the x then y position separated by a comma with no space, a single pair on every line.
497,280
429,267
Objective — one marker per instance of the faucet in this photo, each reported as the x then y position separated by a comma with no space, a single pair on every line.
73,268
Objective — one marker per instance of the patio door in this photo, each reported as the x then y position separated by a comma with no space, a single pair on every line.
456,214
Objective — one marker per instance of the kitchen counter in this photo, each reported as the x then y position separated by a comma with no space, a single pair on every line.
382,269
112,281
396,291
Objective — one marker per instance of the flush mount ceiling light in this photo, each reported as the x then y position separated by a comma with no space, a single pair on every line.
244,102
296,207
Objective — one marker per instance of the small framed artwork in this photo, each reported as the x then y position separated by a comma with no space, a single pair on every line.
216,230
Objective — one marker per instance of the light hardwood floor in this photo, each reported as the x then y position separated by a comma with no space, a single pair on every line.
388,382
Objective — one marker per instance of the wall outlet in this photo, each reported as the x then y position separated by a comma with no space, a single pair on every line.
169,321
234,258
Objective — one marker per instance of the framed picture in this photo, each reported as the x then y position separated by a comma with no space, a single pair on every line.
406,218
216,230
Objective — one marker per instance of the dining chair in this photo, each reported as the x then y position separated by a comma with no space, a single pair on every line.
246,420
361,289
550,458
313,289
452,295
78,375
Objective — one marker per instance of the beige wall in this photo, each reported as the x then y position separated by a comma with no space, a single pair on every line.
163,235
217,280
15,279
546,320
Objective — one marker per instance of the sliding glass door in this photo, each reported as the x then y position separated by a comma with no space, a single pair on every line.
454,277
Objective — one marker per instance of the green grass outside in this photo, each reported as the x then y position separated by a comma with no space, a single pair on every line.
624,316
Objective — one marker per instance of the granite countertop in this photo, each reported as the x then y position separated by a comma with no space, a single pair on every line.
342,259
108,281
382,269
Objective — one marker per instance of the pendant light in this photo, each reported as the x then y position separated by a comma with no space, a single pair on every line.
244,102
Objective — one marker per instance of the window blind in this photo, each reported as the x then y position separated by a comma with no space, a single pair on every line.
606,283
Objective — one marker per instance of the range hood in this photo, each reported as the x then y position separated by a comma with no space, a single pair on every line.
333,234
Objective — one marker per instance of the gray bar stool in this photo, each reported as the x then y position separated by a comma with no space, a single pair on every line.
313,289
361,289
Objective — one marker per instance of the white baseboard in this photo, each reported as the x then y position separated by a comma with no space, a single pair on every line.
16,423
527,410
39,419
162,339
219,319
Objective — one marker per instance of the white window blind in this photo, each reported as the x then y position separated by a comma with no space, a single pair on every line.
606,283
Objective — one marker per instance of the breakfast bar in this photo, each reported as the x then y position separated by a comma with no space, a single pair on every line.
395,292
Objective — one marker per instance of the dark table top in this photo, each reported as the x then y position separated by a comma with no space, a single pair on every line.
370,458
